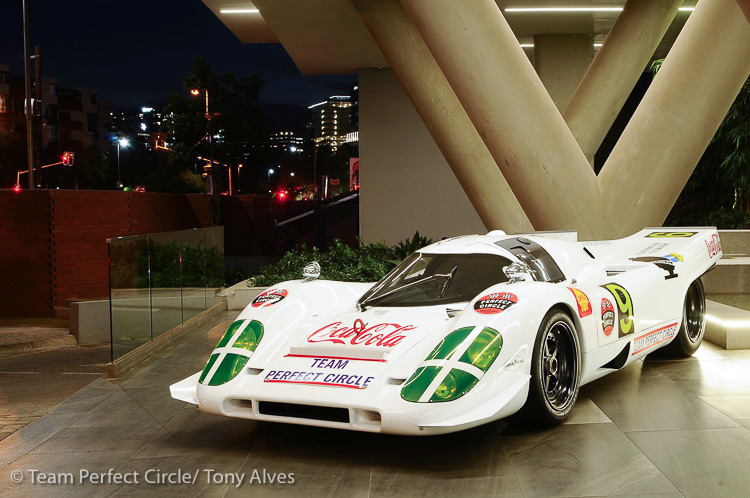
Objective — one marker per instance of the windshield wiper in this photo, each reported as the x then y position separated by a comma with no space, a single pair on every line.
447,276
448,281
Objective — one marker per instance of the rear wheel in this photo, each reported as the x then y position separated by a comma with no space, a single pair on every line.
693,326
555,369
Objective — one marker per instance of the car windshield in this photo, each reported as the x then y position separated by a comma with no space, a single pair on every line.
430,279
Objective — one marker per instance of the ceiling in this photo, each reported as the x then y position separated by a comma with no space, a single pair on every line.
328,36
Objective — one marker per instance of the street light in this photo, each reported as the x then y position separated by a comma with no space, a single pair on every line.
195,92
123,142
270,172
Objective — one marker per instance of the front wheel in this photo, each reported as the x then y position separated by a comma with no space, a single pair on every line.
555,369
693,325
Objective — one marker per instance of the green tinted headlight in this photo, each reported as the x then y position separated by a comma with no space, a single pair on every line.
232,352
456,384
459,361
484,349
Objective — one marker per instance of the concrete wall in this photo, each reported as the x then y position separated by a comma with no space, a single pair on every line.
406,183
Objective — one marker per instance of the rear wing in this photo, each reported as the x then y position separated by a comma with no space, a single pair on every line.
680,243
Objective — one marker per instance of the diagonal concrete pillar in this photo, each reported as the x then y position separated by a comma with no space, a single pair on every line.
615,70
515,116
675,121
745,6
437,105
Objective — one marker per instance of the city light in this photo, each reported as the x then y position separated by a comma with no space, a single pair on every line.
17,188
291,174
292,149
270,172
195,91
124,142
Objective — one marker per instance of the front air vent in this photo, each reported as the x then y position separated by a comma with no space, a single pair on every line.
310,412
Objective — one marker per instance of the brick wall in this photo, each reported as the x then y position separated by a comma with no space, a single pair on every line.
52,243
25,254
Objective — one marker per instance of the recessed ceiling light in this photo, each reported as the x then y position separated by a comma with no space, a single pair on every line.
531,45
239,11
577,9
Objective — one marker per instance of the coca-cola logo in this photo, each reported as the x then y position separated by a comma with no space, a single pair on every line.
495,303
269,298
713,245
608,317
384,335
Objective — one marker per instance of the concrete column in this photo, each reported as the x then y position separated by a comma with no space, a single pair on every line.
675,121
440,110
615,70
561,61
745,6
513,113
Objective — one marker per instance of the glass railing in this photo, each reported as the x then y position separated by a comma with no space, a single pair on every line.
159,281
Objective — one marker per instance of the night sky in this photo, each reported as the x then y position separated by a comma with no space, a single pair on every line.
136,52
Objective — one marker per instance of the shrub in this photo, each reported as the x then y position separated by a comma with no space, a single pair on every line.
365,263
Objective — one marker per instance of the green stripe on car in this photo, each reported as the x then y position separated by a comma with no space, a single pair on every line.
230,366
229,333
481,354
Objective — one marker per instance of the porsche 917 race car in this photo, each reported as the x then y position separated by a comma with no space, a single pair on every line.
465,331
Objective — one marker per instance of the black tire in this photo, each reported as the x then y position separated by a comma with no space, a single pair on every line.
555,370
693,326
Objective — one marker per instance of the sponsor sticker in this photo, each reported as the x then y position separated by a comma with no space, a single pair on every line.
666,263
269,298
669,235
495,303
608,317
654,337
713,245
582,300
385,335
319,374
625,313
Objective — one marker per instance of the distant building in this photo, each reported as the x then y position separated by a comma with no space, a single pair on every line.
286,141
70,116
145,123
331,120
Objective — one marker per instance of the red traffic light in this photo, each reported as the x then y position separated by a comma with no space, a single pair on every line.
17,188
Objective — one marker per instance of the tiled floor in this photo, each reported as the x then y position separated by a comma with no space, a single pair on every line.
33,383
663,428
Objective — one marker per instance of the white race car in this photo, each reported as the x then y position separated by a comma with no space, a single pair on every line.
463,332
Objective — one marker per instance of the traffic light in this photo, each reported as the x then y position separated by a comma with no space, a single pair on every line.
68,158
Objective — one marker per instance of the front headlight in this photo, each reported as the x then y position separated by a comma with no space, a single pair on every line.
232,352
476,352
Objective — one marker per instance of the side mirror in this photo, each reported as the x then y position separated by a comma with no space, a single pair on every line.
517,272
311,271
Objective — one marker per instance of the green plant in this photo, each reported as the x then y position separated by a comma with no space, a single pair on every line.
408,246
364,263
199,267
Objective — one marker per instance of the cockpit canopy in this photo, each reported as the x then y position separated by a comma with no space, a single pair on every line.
425,279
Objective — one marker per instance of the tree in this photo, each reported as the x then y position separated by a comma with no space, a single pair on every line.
236,118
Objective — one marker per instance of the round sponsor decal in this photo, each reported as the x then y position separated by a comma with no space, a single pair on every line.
269,298
495,303
608,316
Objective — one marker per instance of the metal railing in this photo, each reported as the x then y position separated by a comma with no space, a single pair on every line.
159,281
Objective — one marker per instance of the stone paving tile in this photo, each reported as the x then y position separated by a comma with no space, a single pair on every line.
68,469
700,463
135,425
582,460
